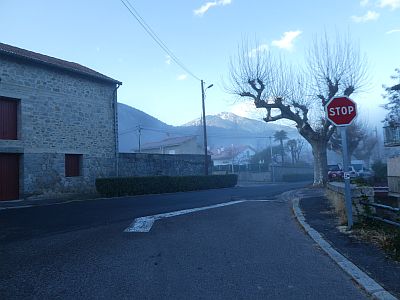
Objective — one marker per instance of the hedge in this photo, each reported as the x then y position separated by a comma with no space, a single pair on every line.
123,186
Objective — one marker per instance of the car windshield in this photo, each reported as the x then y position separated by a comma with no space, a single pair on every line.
333,168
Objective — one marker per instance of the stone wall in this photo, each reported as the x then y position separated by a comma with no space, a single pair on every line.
59,113
280,171
44,175
145,164
335,193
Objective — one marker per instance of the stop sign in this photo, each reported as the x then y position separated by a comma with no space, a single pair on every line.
341,111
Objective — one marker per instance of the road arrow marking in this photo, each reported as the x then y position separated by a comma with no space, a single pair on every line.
144,224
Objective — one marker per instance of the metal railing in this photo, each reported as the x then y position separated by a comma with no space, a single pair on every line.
392,135
384,207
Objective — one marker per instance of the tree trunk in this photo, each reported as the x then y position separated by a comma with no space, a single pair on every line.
320,163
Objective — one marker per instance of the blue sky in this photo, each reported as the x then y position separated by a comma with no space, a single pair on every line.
204,35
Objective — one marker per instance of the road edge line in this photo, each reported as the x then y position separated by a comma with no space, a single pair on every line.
367,283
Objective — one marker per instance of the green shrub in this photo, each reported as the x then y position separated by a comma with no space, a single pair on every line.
123,186
297,177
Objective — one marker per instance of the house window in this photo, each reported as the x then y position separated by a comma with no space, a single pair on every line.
8,119
73,164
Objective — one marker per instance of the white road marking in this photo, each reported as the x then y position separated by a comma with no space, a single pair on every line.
144,224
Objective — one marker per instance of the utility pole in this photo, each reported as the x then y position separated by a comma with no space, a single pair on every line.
378,151
271,164
270,145
140,134
204,126
233,158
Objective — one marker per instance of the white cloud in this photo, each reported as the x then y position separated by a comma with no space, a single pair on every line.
167,59
182,77
393,31
286,42
261,48
369,16
205,7
393,4
364,3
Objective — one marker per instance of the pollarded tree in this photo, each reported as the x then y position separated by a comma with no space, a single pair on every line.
333,67
295,146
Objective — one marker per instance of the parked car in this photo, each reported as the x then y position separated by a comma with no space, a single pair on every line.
353,173
335,172
365,173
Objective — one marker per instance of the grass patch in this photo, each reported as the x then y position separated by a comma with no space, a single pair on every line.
383,235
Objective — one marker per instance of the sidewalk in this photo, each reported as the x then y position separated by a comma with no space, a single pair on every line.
367,257
47,201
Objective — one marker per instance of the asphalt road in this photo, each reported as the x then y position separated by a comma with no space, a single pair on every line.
250,250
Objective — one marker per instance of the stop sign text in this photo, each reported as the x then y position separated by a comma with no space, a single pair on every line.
344,110
341,111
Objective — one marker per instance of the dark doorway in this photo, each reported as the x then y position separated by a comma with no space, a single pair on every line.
9,176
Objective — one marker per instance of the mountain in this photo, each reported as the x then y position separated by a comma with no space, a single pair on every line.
129,120
231,121
224,129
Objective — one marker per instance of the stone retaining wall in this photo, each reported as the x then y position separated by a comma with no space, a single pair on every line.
335,193
145,164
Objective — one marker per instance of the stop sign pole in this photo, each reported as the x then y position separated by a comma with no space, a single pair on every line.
341,111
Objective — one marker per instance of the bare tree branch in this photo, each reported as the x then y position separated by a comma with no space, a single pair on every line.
334,67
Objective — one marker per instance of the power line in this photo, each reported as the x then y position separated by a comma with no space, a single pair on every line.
155,37
132,129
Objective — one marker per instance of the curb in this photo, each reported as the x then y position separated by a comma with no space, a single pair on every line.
366,282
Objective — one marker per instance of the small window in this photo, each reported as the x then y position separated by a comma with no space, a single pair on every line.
73,165
171,152
8,119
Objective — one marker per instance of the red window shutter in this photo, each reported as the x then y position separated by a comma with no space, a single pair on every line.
8,119
72,165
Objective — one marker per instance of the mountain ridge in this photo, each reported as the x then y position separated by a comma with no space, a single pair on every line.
223,129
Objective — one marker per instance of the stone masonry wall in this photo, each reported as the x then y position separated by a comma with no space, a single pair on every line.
335,193
145,164
59,113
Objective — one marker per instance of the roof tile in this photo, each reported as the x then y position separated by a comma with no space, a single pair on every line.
53,62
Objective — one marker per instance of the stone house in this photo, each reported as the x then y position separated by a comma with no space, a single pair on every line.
175,145
58,126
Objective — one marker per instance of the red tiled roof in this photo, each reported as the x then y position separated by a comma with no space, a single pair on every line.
53,62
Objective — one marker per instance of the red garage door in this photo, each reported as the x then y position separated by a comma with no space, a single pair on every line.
9,176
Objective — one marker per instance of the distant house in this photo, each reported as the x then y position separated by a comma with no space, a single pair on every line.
235,155
175,145
58,127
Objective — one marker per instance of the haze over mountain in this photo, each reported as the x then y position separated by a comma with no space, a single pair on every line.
223,129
